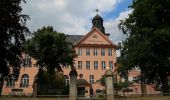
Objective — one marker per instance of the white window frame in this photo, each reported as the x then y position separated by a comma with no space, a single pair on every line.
95,65
10,82
79,65
110,52
111,65
91,79
27,61
95,52
103,65
87,52
79,52
24,81
67,81
102,52
88,65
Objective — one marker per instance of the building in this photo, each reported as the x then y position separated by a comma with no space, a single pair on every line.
96,53
24,84
135,87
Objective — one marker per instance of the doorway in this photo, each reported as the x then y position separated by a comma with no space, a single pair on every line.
81,91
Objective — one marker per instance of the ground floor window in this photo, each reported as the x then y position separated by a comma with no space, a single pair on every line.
91,79
24,81
10,82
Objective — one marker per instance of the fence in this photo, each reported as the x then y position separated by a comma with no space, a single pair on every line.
94,97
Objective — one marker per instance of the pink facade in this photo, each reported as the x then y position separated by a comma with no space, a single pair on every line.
24,84
136,87
96,53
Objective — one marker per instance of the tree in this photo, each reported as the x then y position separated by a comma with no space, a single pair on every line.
148,42
118,86
59,85
51,50
12,35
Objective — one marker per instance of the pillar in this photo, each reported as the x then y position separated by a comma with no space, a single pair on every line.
109,85
73,85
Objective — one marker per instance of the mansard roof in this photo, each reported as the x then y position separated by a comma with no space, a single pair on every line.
74,38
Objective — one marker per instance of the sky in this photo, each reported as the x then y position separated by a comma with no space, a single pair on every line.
74,17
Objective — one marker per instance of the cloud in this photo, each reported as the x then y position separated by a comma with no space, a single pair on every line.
111,26
68,16
73,16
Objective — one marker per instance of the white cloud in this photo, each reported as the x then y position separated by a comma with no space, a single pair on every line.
72,16
111,26
68,16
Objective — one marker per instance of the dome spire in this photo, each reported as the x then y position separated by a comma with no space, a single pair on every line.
97,22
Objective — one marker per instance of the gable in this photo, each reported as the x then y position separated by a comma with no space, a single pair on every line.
94,37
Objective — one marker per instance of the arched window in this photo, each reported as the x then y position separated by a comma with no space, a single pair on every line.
24,81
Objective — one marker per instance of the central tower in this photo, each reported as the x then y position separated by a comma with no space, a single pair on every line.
97,22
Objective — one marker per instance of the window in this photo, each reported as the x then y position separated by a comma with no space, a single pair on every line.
95,65
27,61
88,65
66,66
102,52
10,82
91,79
95,52
135,78
111,64
66,79
103,65
24,81
110,52
79,64
87,52
79,52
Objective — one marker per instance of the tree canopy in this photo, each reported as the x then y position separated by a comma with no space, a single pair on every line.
148,42
12,34
51,50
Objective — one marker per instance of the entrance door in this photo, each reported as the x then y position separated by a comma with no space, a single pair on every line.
81,91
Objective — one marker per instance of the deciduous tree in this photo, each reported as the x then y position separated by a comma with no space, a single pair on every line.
51,50
12,35
148,42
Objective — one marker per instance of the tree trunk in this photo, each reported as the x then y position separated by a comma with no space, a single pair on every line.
1,84
51,72
143,85
164,81
143,89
